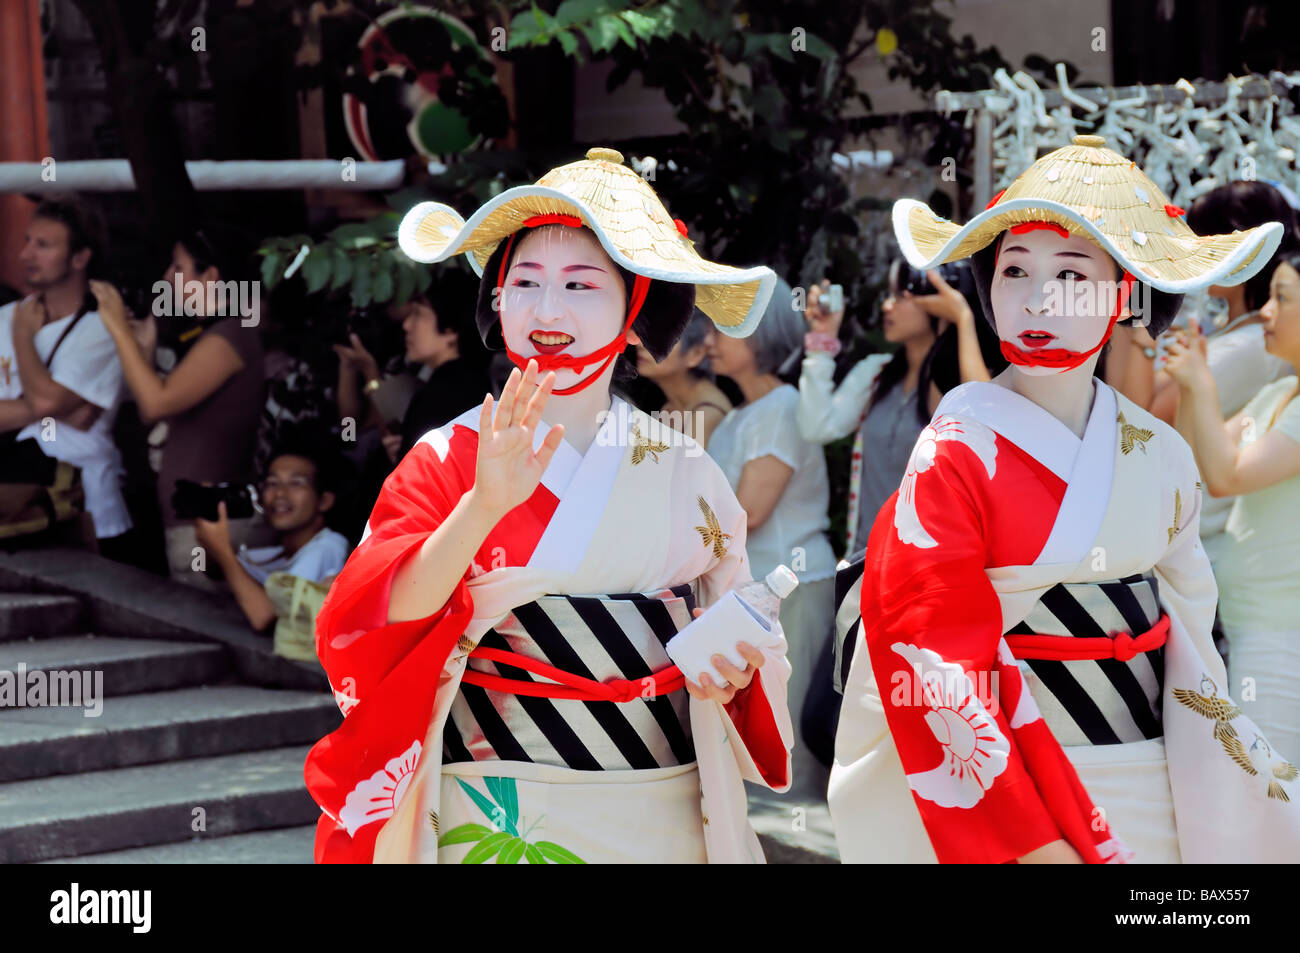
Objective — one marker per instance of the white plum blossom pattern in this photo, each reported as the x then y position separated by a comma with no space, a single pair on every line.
970,432
975,751
377,797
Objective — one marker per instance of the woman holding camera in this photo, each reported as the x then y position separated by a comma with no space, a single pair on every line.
211,399
887,399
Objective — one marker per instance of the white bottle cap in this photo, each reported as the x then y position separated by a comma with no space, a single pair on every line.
782,581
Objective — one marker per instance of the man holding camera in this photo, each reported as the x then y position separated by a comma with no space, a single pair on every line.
60,379
295,496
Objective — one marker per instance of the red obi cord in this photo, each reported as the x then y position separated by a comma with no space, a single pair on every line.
558,362
1057,649
1061,357
571,687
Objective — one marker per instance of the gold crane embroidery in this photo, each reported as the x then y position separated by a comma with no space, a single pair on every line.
5,364
1280,769
642,445
1178,514
1220,710
465,645
711,532
1128,435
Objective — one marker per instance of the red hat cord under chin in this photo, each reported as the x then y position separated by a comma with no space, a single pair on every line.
1060,357
558,362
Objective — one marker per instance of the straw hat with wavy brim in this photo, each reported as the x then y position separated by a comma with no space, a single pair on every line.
627,217
1095,192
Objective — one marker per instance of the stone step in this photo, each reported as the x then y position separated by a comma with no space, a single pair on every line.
160,726
128,666
99,811
27,616
288,845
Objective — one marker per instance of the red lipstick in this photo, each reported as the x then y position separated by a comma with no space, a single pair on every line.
1036,339
552,348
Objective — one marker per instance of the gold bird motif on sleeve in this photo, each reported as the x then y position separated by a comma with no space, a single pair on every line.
1130,435
711,532
1220,710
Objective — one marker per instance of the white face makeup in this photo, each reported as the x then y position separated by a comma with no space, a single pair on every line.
562,295
1052,292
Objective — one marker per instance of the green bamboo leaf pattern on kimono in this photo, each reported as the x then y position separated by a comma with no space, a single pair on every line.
464,834
557,854
503,791
503,839
485,849
498,815
513,852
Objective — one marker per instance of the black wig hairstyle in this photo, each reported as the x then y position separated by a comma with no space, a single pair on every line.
1158,308
663,316
1238,206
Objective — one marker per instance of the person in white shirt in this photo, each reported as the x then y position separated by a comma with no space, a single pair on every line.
1236,354
60,379
296,495
780,480
1254,458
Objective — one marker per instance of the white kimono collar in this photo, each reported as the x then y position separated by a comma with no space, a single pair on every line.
581,483
1086,465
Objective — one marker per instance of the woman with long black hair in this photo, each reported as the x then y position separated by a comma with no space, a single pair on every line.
888,398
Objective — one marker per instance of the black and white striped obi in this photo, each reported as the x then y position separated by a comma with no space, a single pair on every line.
1097,701
599,637
1084,701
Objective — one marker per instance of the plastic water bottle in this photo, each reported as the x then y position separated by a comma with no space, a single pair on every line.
762,597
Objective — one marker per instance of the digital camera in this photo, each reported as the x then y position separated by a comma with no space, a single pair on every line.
957,273
196,501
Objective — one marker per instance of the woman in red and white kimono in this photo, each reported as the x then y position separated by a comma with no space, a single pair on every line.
1038,681
496,642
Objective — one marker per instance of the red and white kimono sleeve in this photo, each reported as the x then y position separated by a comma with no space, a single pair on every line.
384,676
989,780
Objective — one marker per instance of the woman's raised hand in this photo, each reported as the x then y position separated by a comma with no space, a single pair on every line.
1187,362
947,303
508,469
819,320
